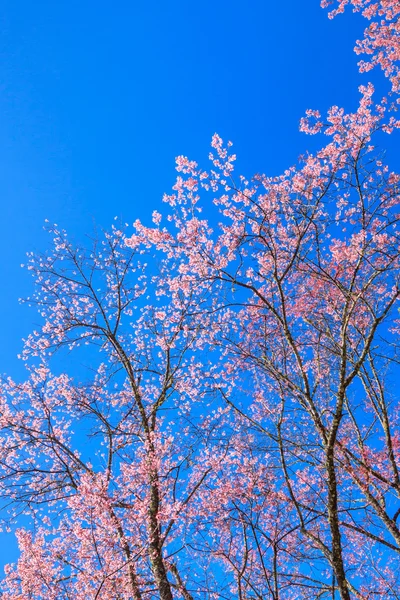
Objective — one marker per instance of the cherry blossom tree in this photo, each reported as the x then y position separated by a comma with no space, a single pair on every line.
381,42
235,433
304,270
108,469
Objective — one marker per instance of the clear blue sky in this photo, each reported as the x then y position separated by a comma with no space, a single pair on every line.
97,98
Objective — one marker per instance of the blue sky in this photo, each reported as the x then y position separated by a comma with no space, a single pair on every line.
97,98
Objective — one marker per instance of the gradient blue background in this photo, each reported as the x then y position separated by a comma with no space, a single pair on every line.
97,98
